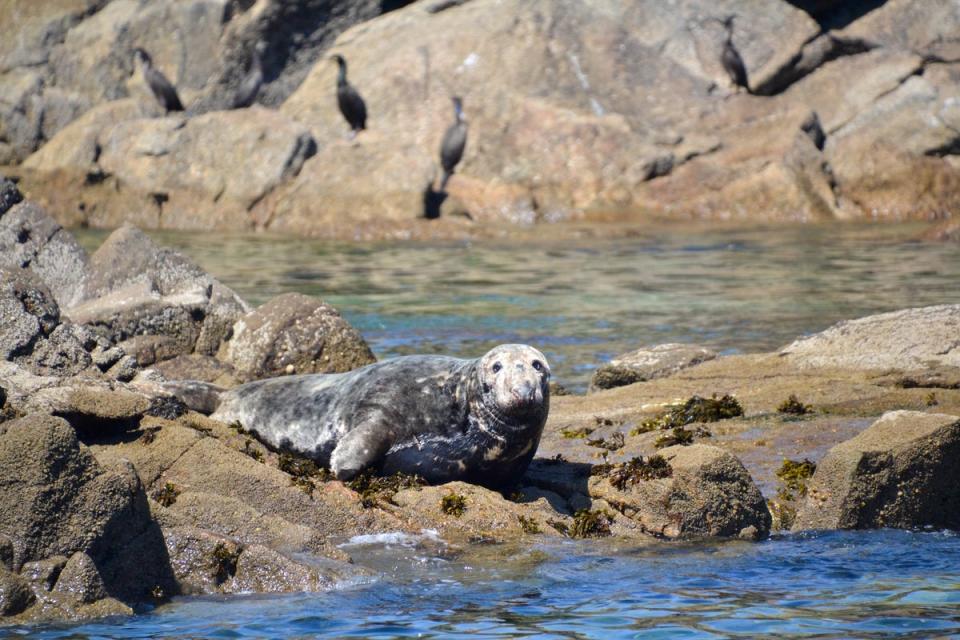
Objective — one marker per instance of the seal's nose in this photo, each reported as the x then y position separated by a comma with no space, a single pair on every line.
526,391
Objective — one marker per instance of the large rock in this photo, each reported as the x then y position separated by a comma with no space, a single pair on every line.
30,238
648,363
903,340
202,172
31,334
708,494
901,472
889,157
137,288
294,333
58,501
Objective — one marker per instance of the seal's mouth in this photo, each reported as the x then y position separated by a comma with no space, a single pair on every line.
522,400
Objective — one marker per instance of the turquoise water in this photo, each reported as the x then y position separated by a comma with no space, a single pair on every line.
880,584
583,301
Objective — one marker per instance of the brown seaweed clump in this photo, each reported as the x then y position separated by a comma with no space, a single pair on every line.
794,407
167,494
375,489
694,410
633,471
794,476
453,504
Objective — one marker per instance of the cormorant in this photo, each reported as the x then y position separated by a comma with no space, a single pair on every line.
731,60
454,142
250,87
161,88
351,104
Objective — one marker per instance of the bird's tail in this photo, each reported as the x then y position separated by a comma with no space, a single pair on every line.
445,179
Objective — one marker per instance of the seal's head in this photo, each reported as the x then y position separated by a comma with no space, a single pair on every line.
515,381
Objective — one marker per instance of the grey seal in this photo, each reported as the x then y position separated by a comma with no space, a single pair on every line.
440,417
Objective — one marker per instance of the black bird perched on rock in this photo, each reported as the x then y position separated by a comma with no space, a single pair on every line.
161,88
250,86
351,104
731,60
454,142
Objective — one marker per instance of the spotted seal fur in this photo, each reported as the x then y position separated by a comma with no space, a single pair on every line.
442,418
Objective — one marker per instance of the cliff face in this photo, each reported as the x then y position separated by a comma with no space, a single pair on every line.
592,110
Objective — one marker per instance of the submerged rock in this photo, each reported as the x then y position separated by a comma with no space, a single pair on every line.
900,472
648,363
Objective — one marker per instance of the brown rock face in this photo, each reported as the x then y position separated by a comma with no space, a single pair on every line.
576,110
294,333
901,472
708,494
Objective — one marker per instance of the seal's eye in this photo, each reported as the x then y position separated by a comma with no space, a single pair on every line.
496,367
537,365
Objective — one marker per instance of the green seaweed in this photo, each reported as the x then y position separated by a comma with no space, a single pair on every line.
575,434
695,409
793,406
931,399
679,436
528,525
225,561
634,470
614,442
254,453
149,435
167,494
591,524
453,504
794,476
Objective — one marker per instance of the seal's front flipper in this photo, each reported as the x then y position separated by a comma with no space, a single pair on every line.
364,446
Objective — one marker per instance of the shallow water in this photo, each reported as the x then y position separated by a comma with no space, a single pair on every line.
880,584
583,301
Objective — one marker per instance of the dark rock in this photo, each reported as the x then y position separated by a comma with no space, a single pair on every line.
901,472
80,580
9,195
44,573
15,593
649,363
294,333
30,331
6,552
29,238
708,494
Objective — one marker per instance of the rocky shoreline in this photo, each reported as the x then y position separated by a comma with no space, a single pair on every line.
116,495
579,112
